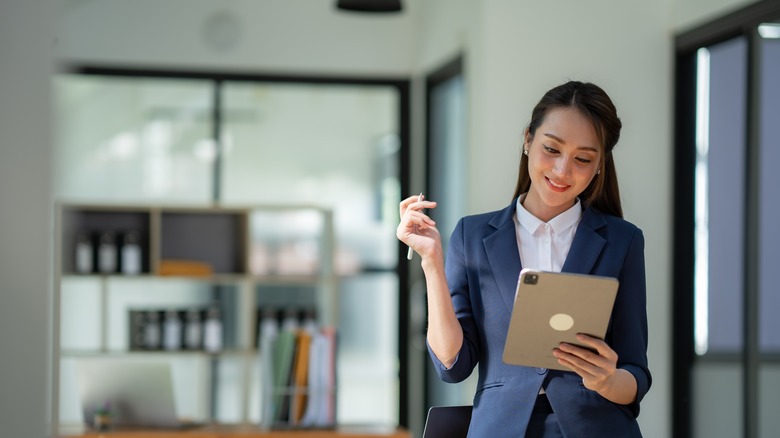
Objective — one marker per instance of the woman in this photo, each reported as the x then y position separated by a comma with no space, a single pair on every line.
565,216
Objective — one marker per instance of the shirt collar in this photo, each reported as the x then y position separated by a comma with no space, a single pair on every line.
559,224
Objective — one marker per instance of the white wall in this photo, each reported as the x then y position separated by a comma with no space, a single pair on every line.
25,215
268,36
690,13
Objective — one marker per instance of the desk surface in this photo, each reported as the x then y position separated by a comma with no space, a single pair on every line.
223,431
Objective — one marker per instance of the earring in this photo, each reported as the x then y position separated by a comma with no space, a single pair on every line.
525,151
598,171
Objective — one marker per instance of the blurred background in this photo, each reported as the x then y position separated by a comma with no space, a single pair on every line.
298,103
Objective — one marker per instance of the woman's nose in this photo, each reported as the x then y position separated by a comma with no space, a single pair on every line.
562,166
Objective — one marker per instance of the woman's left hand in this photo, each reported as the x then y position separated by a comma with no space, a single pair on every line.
595,368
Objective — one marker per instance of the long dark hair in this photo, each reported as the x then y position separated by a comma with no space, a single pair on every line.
593,103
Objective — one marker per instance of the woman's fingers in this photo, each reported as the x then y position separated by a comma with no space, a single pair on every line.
416,228
412,203
406,203
598,345
595,367
420,219
414,222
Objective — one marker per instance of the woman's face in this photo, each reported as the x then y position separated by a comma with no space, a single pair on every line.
563,157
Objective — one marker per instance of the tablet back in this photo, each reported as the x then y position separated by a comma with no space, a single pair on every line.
552,307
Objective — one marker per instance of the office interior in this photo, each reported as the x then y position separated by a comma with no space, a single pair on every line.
491,60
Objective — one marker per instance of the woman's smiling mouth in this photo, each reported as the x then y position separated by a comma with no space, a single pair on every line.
556,187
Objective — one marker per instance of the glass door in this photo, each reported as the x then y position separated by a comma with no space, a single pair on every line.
335,146
767,325
721,104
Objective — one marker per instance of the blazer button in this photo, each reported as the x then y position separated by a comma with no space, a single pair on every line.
541,370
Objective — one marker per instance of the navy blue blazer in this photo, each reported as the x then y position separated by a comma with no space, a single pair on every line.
482,268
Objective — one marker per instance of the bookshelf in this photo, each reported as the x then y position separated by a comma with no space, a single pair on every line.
226,263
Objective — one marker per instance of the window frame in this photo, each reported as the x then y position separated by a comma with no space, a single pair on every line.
743,22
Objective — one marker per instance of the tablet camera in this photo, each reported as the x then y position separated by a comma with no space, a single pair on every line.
530,279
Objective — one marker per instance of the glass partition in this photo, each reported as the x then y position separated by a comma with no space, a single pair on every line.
769,243
128,139
335,146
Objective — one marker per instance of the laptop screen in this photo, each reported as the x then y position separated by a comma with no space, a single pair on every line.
136,394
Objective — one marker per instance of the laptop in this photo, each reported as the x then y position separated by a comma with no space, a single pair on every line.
553,307
136,394
447,422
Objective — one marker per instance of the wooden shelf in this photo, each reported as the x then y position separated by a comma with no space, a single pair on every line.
241,246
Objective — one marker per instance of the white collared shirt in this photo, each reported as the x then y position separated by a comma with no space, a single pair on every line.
544,246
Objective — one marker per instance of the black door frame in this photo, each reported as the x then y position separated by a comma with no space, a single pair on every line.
449,70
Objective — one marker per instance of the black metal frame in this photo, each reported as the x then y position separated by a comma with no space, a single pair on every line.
743,22
402,85
449,70
683,244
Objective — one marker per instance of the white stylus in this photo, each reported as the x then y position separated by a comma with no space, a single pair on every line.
410,253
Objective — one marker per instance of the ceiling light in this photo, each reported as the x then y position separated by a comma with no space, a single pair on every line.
769,30
369,5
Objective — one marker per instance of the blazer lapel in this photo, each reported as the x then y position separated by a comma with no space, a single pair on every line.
587,244
503,255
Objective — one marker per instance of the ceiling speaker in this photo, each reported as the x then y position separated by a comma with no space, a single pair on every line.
369,5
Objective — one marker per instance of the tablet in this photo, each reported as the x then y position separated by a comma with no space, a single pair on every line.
552,307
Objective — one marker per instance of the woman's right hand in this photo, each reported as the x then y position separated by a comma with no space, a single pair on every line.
418,230
445,334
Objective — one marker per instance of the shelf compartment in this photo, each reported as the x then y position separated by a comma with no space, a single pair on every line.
92,221
216,239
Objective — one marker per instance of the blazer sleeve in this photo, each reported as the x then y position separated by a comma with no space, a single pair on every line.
458,282
628,333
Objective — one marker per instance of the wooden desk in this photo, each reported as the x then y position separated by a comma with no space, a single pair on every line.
243,432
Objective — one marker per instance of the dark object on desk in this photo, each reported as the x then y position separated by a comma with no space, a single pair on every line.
447,422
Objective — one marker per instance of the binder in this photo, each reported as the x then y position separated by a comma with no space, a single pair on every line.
283,352
300,377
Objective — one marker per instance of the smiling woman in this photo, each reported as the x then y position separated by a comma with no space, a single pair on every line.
565,216
559,169
588,119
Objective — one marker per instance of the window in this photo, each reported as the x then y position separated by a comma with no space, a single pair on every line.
726,370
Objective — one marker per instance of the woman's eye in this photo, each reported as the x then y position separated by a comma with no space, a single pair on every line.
549,150
584,160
